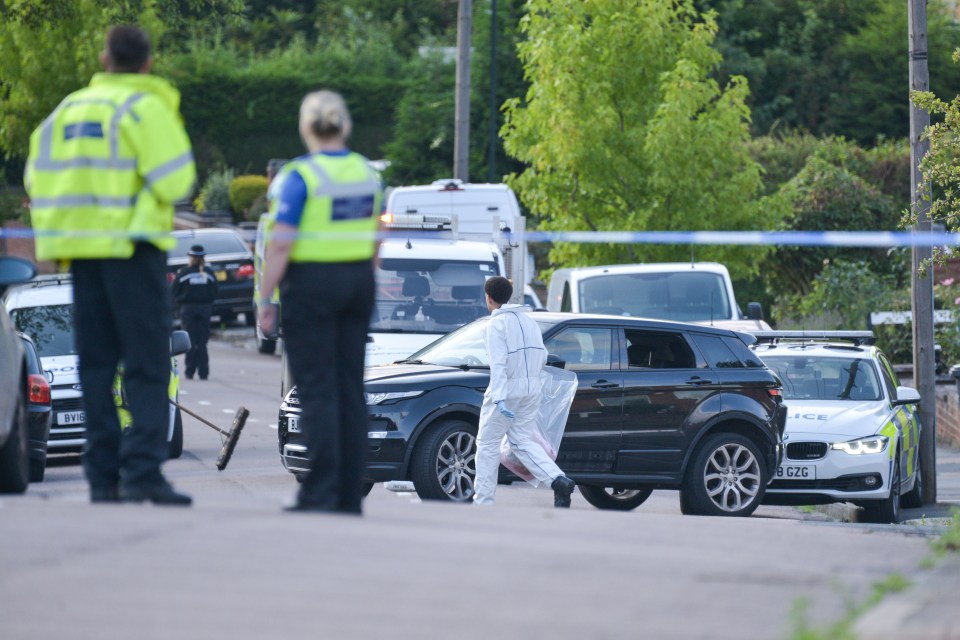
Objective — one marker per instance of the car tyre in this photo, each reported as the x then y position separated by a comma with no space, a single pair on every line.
38,469
176,443
727,477
443,466
613,498
15,454
886,511
913,499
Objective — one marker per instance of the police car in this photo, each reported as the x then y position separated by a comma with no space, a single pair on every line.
852,433
43,310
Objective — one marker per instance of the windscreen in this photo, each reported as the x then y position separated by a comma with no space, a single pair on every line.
686,296
818,378
50,328
213,244
429,296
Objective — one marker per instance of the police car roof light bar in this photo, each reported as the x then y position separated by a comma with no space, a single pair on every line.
858,338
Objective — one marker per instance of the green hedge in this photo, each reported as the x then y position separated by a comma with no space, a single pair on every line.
244,192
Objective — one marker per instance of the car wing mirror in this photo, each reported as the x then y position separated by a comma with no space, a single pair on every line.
907,395
555,361
48,374
14,271
179,343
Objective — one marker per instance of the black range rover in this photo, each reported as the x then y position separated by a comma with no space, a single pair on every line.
659,405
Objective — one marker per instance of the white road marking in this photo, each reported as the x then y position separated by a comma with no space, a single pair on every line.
253,420
272,425
227,410
204,402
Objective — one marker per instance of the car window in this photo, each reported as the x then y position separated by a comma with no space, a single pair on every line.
889,376
820,378
213,244
684,296
583,348
658,350
718,354
565,304
33,364
50,328
743,353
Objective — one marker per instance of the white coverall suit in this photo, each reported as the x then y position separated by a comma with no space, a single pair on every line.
517,356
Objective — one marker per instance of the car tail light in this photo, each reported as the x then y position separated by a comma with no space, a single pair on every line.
775,394
39,389
246,271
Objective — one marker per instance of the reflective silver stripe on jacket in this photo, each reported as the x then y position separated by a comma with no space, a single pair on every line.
168,167
328,187
83,201
45,161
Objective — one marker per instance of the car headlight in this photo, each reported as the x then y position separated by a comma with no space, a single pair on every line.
380,398
862,446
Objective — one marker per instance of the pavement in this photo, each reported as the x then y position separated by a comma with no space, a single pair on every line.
928,609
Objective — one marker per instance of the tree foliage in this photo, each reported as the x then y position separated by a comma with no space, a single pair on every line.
830,66
623,127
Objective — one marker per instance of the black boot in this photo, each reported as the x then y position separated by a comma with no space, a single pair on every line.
161,493
562,490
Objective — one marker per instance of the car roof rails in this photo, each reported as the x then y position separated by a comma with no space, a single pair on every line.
858,338
50,279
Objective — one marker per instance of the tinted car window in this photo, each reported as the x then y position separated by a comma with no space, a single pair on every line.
213,243
743,353
583,348
50,328
889,376
718,354
33,362
655,350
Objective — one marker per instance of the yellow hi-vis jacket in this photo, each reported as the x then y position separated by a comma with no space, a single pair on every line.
107,166
342,211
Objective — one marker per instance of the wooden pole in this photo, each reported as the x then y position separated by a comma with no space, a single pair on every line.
461,136
922,287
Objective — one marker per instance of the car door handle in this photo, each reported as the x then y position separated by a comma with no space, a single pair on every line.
697,381
603,384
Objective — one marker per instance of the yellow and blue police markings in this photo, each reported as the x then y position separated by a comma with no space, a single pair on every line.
120,396
852,431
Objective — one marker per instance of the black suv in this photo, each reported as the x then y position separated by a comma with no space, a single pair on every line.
659,405
231,262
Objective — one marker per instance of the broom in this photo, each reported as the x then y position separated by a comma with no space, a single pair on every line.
233,435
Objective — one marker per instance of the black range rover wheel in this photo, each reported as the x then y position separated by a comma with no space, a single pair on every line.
726,477
613,498
444,463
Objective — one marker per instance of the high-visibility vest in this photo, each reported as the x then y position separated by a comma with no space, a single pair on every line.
106,166
342,211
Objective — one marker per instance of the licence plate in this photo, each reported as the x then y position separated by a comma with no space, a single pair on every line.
796,472
293,425
70,417
220,275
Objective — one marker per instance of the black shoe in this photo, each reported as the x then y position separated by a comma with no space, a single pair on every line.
104,494
562,490
189,376
161,493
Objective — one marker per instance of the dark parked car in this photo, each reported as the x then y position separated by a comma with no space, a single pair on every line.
231,262
39,414
660,405
14,435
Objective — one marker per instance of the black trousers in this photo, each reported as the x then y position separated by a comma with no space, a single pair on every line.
121,311
326,312
196,322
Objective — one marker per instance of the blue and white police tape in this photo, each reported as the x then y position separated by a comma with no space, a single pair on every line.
868,239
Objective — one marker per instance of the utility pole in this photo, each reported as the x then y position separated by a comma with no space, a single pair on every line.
922,287
461,135
492,151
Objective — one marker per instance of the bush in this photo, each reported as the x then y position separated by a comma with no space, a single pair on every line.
215,194
245,191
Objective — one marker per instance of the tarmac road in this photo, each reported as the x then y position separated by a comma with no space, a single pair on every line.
235,566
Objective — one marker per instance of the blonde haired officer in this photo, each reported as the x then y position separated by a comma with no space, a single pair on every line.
104,171
320,251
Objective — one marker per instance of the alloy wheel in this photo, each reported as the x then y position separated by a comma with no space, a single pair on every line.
456,465
732,477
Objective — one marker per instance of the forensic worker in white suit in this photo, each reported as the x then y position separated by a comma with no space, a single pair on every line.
511,402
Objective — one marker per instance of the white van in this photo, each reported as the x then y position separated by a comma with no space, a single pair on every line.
698,292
